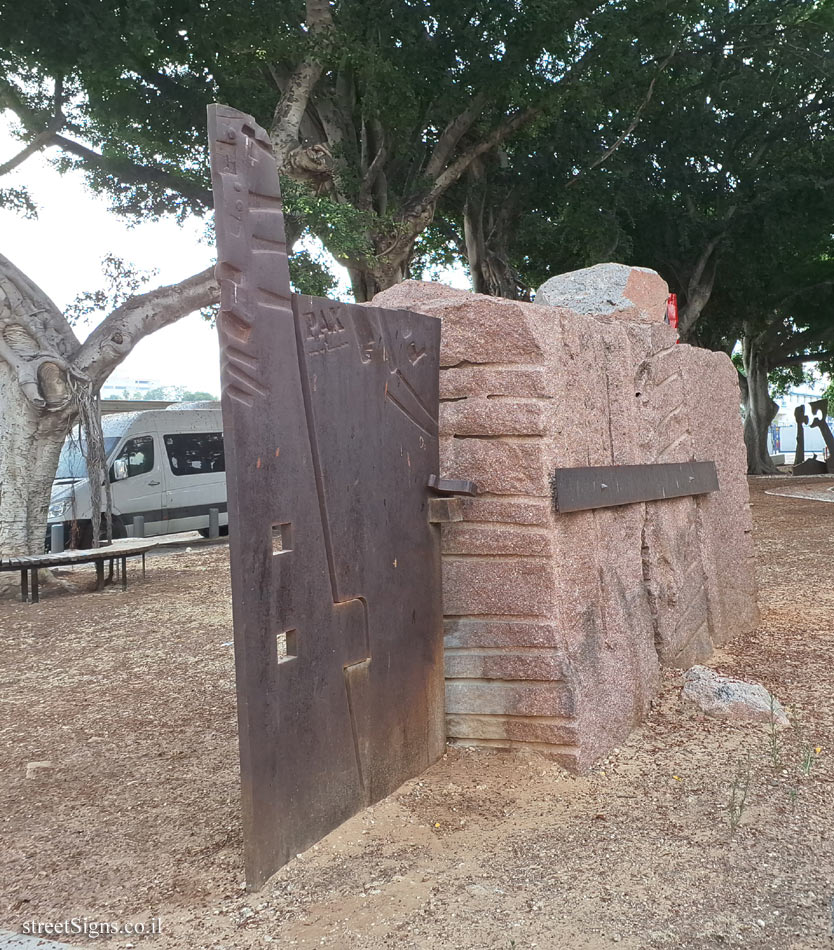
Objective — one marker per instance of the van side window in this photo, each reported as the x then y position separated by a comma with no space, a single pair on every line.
195,453
138,453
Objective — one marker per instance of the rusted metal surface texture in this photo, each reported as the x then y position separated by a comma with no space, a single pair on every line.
603,486
330,420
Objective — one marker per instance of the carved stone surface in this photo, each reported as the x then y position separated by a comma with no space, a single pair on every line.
557,624
330,419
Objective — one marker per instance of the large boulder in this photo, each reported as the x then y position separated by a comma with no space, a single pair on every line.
612,290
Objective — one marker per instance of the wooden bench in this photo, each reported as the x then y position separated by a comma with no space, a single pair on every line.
119,550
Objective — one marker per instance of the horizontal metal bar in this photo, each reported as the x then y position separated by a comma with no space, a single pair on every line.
603,486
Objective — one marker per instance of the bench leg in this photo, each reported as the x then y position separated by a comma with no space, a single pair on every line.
99,574
24,585
35,591
124,573
143,564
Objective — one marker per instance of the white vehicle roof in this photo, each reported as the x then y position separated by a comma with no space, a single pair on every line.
183,418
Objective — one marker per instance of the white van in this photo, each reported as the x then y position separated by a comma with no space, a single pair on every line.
167,465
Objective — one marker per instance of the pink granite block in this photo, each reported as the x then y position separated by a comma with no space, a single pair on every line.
556,625
521,541
481,416
526,510
497,466
497,586
514,730
509,699
462,381
505,665
495,634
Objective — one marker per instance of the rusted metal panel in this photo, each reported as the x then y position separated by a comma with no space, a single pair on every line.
330,420
603,486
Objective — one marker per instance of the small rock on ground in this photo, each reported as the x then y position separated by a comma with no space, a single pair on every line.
725,698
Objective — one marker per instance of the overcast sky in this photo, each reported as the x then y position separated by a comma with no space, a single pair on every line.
62,251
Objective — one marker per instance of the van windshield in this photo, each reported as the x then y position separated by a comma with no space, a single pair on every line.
72,463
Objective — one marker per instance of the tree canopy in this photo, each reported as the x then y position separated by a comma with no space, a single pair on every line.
376,110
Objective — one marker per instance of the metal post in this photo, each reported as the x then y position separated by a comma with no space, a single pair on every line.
139,526
57,538
214,522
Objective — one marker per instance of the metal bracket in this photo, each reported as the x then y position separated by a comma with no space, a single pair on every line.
452,486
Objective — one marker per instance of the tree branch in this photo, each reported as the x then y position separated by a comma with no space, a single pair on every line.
803,358
118,333
452,134
42,139
35,311
452,173
130,171
35,340
631,126
370,177
286,120
123,168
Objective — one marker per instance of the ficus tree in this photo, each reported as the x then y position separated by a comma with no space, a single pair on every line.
375,111
781,314
667,177
733,149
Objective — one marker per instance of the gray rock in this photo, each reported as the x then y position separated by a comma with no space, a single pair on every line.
633,293
726,698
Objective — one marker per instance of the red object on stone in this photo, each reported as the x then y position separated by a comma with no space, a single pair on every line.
672,310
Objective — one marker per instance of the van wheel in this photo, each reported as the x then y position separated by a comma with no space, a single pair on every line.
85,532
204,532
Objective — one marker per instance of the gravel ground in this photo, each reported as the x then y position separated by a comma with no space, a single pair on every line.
127,700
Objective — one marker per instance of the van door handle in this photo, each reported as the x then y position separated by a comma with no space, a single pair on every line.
153,483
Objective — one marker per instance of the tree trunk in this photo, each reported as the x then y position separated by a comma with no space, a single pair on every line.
367,281
486,223
489,270
31,443
761,409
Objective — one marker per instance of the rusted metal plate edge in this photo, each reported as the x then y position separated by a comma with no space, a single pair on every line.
604,486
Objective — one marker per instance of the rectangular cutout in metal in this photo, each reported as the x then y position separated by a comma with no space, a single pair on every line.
604,486
282,538
286,645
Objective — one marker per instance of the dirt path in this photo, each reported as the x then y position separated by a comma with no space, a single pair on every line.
130,697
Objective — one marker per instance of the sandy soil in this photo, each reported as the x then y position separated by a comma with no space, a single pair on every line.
130,698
